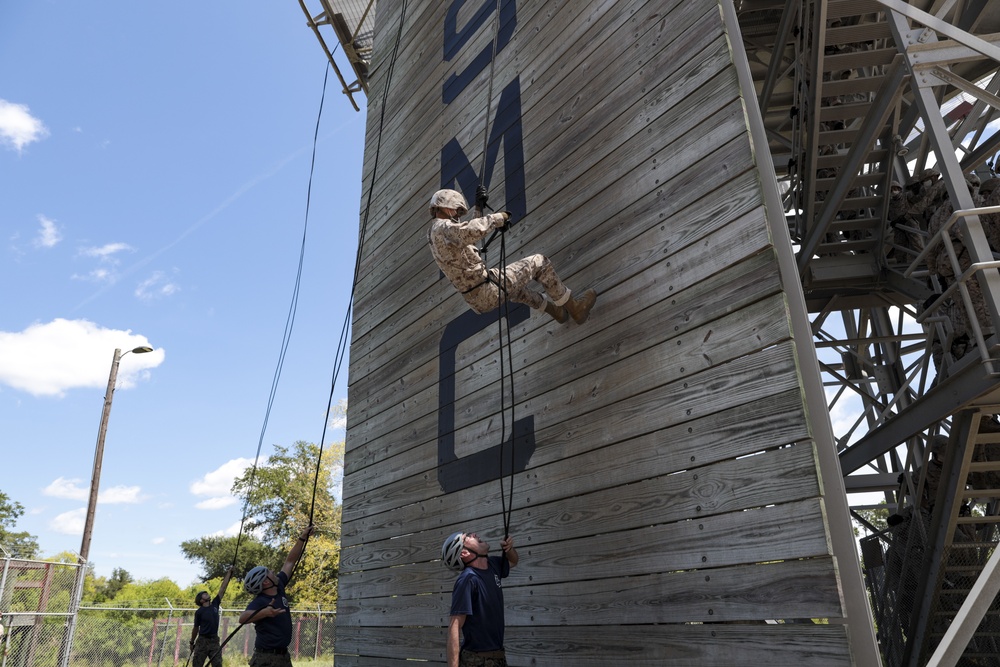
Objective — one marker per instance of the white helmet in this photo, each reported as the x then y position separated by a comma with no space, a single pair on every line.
451,551
253,582
448,199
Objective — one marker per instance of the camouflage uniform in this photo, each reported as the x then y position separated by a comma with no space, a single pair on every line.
453,246
206,648
939,263
261,659
491,659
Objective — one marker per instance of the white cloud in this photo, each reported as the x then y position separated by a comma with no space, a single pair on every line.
106,251
156,286
338,416
121,495
50,359
18,127
48,235
101,275
69,523
215,503
73,489
107,256
66,488
232,531
216,485
158,540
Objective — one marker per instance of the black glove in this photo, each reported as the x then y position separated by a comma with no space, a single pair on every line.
482,197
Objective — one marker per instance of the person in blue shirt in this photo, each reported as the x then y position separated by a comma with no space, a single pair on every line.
205,634
477,600
269,611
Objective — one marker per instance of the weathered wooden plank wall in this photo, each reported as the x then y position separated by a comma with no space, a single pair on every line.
667,505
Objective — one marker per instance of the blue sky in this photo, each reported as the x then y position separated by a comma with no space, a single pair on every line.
154,160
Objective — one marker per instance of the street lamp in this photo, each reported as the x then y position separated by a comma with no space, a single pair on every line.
88,526
95,478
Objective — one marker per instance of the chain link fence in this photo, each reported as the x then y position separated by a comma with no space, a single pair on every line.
36,598
893,560
37,605
159,637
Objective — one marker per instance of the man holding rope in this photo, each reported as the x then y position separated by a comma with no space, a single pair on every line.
453,242
205,634
477,600
269,611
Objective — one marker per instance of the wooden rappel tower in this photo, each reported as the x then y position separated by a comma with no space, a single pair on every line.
779,204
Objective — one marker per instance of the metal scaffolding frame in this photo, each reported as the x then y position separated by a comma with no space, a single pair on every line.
352,23
856,94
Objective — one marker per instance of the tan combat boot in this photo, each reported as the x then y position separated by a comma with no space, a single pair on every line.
579,309
558,313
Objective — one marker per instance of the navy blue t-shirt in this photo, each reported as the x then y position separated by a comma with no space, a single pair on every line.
207,618
478,595
274,632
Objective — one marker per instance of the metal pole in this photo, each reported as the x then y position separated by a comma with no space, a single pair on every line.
95,478
857,610
88,526
166,628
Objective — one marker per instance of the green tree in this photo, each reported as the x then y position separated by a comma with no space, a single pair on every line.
279,494
279,498
874,516
315,579
215,553
17,543
119,579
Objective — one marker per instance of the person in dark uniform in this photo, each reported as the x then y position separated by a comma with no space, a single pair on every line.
269,611
205,635
477,600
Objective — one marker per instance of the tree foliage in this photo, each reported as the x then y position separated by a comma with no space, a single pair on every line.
278,497
279,493
215,554
18,543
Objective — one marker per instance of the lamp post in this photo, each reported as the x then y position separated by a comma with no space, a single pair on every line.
95,478
95,482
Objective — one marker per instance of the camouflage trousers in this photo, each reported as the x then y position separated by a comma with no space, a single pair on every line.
206,648
517,275
261,659
491,659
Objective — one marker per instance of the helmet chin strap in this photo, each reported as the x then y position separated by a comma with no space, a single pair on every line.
478,556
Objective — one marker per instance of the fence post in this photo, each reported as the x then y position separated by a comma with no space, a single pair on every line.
3,588
3,578
319,630
152,643
166,629
74,610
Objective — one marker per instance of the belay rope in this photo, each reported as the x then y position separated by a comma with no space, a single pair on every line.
503,316
277,374
503,308
342,346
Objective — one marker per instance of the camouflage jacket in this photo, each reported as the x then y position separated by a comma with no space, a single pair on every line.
453,244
